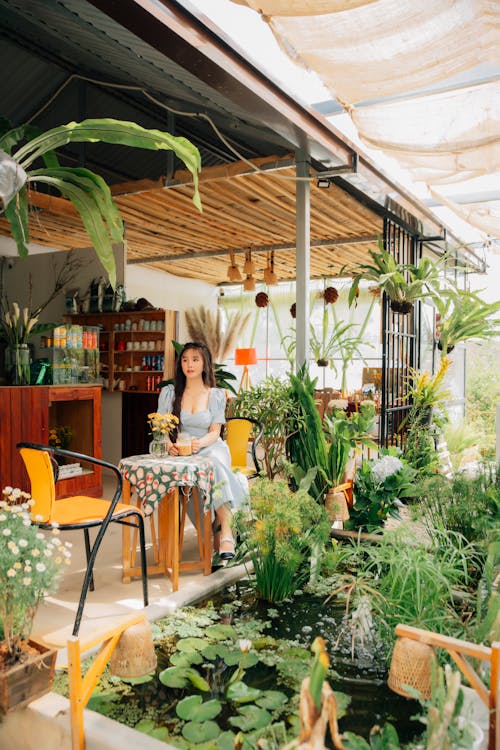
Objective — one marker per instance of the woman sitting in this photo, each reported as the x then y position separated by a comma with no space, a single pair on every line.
200,407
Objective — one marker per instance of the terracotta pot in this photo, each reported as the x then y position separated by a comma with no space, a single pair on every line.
29,679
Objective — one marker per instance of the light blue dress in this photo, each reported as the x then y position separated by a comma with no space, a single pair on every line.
231,487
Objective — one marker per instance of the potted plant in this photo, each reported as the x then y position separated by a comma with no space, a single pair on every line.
272,404
345,432
87,191
30,563
402,283
462,316
378,487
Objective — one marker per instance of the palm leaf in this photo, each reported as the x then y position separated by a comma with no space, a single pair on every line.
117,132
16,214
91,217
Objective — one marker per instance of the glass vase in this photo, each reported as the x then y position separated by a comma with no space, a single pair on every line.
18,364
158,447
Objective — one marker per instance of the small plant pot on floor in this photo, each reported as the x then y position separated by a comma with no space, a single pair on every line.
29,678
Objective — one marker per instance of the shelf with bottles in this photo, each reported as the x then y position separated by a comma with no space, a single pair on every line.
134,346
73,354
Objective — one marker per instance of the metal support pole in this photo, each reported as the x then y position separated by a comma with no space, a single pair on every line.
302,254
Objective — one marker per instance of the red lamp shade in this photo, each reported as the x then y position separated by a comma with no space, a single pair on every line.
245,356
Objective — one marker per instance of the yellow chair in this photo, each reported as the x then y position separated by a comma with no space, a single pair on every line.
78,512
239,430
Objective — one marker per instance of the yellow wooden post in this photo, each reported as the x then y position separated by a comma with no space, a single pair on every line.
80,688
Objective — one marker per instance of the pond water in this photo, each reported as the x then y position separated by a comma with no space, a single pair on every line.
151,706
363,678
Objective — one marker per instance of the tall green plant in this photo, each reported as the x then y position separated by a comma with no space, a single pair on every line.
463,316
306,447
283,531
86,190
345,432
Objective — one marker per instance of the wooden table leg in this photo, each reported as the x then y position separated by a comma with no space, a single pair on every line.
126,532
207,542
175,539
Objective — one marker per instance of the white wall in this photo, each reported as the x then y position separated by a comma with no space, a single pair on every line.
169,292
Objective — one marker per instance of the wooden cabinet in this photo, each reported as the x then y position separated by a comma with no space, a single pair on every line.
135,347
27,413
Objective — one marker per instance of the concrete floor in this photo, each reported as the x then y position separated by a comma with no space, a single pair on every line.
112,598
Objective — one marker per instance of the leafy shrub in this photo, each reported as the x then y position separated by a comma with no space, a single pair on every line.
285,530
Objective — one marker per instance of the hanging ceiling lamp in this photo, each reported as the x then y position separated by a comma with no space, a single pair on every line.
269,276
249,265
249,284
233,272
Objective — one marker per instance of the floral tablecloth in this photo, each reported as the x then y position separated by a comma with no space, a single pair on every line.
153,477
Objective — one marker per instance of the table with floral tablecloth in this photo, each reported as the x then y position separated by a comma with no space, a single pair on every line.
152,477
155,479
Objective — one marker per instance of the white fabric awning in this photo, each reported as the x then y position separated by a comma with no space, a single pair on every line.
419,78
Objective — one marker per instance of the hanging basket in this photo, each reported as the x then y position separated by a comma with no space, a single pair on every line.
401,306
336,505
330,295
411,667
293,310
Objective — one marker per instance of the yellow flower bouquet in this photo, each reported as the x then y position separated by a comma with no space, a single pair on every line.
161,425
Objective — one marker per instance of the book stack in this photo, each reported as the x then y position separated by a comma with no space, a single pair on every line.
69,470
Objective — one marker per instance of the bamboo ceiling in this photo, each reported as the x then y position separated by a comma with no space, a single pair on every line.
241,211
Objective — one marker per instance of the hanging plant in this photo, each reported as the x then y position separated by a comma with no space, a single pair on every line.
261,299
330,295
293,310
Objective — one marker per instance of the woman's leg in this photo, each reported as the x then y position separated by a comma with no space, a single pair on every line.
224,518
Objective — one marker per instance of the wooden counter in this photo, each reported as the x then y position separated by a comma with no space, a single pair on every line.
28,412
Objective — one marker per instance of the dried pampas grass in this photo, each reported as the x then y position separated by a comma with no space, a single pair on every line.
206,326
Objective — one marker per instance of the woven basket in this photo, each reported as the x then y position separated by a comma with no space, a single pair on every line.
411,667
336,506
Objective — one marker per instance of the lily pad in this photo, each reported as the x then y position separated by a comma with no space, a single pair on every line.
193,707
191,644
146,726
230,656
251,717
225,741
186,658
200,731
272,699
220,631
180,677
240,692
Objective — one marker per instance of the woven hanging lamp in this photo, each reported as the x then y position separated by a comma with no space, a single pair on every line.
249,265
411,666
249,284
269,276
233,272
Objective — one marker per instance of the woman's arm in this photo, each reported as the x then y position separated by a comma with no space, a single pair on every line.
209,439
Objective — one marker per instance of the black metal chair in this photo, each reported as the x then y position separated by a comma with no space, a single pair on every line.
79,511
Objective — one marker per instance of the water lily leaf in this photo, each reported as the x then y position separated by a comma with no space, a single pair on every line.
230,656
297,652
251,717
186,658
225,741
146,726
101,701
138,680
272,699
220,631
239,692
193,707
200,731
197,680
174,677
210,653
160,733
191,644
251,659
343,700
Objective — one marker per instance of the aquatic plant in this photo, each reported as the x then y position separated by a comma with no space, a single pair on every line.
284,531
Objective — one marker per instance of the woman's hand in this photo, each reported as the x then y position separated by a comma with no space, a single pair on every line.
195,445
173,450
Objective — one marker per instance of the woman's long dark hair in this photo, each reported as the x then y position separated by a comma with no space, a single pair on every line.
208,376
